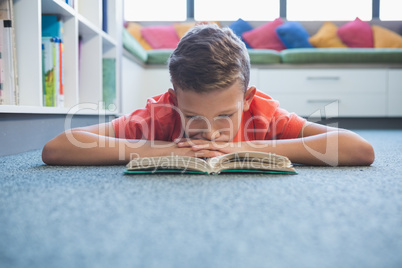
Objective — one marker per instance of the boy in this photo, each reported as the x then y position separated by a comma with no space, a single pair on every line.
210,111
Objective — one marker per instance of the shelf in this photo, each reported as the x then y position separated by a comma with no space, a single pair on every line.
85,45
107,42
15,109
57,7
87,28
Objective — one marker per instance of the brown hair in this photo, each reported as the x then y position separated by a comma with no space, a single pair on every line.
209,58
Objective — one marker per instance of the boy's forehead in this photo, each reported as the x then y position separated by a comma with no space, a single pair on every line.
215,101
235,89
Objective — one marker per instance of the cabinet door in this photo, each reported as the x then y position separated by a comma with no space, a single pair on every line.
334,105
356,93
324,81
395,93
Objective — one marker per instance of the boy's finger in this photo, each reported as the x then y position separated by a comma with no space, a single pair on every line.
208,153
180,140
198,147
190,143
183,144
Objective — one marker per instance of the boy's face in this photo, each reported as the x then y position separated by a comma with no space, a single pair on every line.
214,116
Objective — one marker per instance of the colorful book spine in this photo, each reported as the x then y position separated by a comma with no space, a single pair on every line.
60,96
43,73
52,26
8,85
70,3
1,68
9,91
56,68
53,67
104,16
49,87
109,83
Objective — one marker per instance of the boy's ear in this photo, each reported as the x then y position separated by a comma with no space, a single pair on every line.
173,95
248,98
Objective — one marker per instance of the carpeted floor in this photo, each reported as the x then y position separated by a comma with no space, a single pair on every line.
98,217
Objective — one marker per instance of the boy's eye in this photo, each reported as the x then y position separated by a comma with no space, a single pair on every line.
225,115
193,117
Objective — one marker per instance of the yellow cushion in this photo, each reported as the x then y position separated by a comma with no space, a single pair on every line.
327,36
135,30
384,38
182,28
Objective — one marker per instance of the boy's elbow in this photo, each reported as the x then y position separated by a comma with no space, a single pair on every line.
356,150
365,155
49,154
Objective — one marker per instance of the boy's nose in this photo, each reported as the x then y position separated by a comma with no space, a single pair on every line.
211,134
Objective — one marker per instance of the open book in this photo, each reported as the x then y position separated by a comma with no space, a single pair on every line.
246,162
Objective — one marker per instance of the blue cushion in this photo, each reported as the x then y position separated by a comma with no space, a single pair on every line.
293,35
239,27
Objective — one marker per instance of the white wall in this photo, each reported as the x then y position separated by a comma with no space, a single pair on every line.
139,84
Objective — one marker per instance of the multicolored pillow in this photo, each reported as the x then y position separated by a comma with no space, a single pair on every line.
161,36
356,33
326,37
239,27
384,38
135,30
293,35
182,28
265,36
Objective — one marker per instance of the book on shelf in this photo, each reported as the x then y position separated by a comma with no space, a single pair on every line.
239,162
52,71
52,26
108,82
70,3
79,54
104,16
9,91
52,61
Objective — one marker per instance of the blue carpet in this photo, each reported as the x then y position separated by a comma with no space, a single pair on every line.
98,217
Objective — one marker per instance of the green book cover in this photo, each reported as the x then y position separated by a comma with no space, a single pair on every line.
179,171
108,82
49,86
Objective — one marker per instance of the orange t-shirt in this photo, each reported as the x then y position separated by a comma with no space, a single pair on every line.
160,120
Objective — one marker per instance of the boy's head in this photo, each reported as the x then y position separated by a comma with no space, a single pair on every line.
210,73
209,58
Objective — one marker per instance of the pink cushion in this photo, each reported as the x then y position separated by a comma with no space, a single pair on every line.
356,33
265,36
160,36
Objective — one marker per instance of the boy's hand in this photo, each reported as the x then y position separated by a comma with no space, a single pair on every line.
212,148
200,153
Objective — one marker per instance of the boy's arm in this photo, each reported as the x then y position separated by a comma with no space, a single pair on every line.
315,145
97,145
322,145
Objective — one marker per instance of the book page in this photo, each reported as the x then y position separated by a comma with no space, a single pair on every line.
169,162
251,160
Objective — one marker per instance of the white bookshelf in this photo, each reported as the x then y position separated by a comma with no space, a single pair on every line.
82,73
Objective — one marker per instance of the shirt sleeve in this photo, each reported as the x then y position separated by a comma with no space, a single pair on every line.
133,126
285,125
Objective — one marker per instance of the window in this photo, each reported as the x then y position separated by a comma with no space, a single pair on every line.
390,10
327,10
231,10
261,10
155,10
